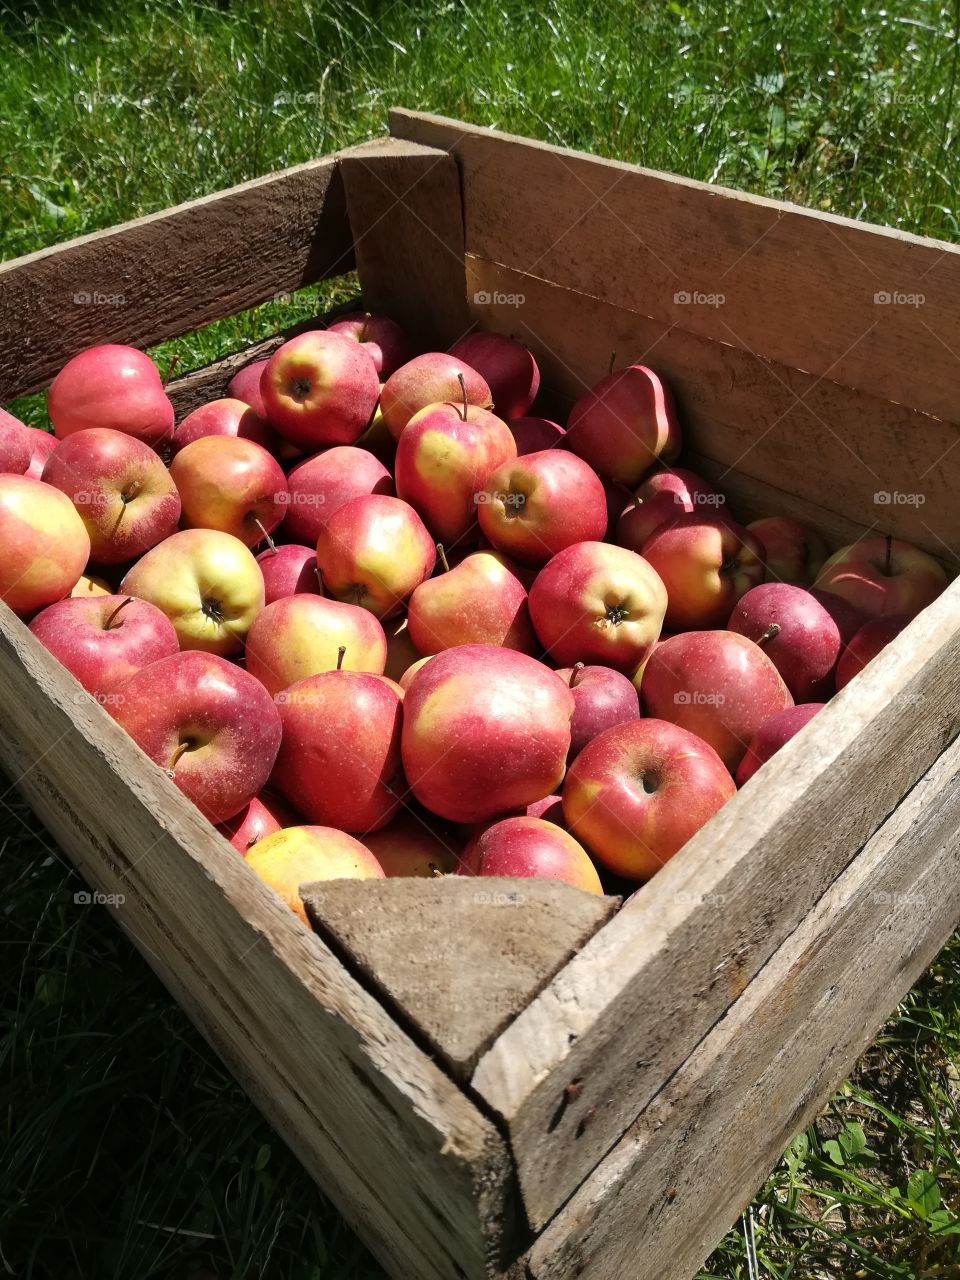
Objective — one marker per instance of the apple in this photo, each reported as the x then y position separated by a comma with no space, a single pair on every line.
507,367
264,815
303,635
598,603
485,730
444,458
206,582
299,856
775,731
44,545
322,483
373,551
872,637
662,497
104,639
881,576
408,846
125,496
16,446
602,698
382,339
232,485
542,503
636,794
533,435
625,424
478,601
288,570
531,847
796,633
230,416
706,563
245,386
717,684
114,387
792,552
207,723
87,587
320,388
42,444
848,617
426,380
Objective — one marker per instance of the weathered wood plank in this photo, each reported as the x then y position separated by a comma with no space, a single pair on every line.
637,999
666,1194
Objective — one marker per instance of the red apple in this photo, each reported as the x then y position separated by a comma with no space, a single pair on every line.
881,576
382,338
507,367
662,497
533,435
245,386
408,846
774,733
44,545
16,448
298,856
42,444
873,637
324,482
426,380
320,388
848,617
301,635
792,552
478,601
531,848
230,484
113,387
264,815
288,570
796,633
625,424
373,551
228,417
638,792
602,698
706,563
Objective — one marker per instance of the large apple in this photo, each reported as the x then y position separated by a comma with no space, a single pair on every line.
706,563
533,435
302,635
288,570
430,379
598,603
792,552
507,367
409,846
123,493
15,445
245,386
298,856
230,416
212,727
662,497
871,639
625,424
883,576
322,483
382,338
638,792
485,731
230,484
320,388
207,583
44,545
774,733
42,444
373,551
478,601
537,505
602,698
111,386
264,815
796,633
104,639
530,848
717,684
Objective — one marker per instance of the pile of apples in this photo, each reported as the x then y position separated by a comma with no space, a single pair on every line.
374,619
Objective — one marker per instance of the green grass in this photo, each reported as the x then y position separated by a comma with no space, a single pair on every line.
127,1152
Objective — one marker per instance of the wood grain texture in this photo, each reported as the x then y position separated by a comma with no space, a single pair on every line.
171,271
798,286
409,1161
628,1009
754,420
427,947
407,221
665,1196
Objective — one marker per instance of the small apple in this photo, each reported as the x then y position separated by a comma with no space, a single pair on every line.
408,846
662,497
232,485
533,435
264,815
706,563
796,633
16,449
382,339
774,733
301,635
872,637
115,387
882,576
792,552
228,417
42,444
426,380
373,551
44,545
245,386
299,856
602,698
288,570
625,424
320,388
507,367
324,482
531,847
478,601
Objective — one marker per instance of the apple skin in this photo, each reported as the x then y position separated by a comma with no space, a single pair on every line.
339,759
706,563
625,424
320,388
288,570
848,617
443,463
530,848
207,583
858,574
298,856
44,545
602,698
409,847
636,794
373,551
230,416
478,601
597,603
104,639
872,637
245,386
300,636
115,387
16,446
507,367
264,815
542,503
661,498
42,444
792,552
533,435
426,380
382,338
230,484
805,649
716,684
324,482
774,733
499,724
225,719
123,493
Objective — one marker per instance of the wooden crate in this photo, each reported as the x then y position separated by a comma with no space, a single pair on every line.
596,1093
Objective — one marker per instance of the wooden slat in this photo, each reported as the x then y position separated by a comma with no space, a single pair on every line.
671,1188
408,1160
173,270
636,1000
798,284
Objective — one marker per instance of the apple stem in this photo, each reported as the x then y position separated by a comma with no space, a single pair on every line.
576,673
886,566
174,361
184,746
341,654
463,392
771,631
266,537
316,570
613,361
108,625
443,557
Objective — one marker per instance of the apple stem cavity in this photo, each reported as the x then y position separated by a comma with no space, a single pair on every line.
109,624
576,673
443,557
341,654
769,634
463,392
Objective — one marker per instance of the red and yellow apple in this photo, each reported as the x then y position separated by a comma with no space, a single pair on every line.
115,387
706,564
478,601
299,856
302,635
791,552
881,576
322,483
662,497
531,848
264,815
429,379
44,545
373,551
320,388
230,484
